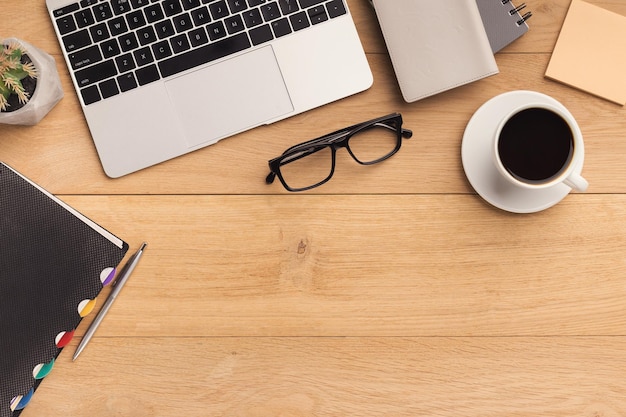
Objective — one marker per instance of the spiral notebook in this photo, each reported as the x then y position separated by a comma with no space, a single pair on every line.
503,21
53,263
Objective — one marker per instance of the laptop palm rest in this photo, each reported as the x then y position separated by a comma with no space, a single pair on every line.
220,100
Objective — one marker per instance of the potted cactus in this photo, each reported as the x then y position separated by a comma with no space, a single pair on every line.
29,83
15,67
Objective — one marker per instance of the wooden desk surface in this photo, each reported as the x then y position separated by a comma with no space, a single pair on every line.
393,290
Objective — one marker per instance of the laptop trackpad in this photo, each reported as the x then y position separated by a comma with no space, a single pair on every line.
229,97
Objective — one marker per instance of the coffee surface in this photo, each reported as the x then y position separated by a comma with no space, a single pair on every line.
535,145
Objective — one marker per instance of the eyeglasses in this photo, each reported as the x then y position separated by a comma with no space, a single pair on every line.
312,163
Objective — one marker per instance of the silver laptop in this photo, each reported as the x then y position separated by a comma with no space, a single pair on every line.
159,78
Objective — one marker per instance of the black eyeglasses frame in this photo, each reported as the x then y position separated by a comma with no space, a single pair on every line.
336,140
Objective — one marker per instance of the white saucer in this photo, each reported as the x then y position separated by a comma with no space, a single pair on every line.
477,157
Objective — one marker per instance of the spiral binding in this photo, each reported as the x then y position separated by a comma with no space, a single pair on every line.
517,9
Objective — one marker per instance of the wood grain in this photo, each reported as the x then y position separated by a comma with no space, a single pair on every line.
367,266
393,290
321,376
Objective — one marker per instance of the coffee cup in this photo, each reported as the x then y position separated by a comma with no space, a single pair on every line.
539,145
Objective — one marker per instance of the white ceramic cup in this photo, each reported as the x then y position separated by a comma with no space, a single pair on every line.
521,120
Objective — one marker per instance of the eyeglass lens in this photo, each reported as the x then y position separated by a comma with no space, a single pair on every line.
308,168
374,143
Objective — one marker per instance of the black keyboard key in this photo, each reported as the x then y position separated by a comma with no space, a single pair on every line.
218,9
76,40
66,25
139,3
87,3
162,49
200,16
190,4
253,3
317,15
172,7
180,43
252,18
308,3
299,21
127,81
128,42
125,63
216,30
154,13
234,24
146,35
281,27
270,11
85,57
335,8
118,26
108,88
261,34
288,6
90,95
135,19
147,75
99,32
95,73
204,54
164,29
237,6
110,48
143,56
102,11
120,6
66,10
84,18
182,22
198,37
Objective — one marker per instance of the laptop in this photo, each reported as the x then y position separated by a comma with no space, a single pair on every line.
160,78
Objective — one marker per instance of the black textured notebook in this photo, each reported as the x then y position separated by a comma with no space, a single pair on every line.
53,263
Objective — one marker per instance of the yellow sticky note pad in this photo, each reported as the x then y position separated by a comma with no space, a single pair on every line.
590,53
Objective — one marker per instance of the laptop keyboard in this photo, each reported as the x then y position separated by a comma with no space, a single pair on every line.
115,46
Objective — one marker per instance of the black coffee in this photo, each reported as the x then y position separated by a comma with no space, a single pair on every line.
535,145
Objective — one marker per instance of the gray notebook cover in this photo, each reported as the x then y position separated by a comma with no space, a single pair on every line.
503,23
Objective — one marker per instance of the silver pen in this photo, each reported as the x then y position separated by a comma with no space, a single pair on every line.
116,288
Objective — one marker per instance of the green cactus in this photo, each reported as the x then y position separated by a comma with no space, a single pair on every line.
12,72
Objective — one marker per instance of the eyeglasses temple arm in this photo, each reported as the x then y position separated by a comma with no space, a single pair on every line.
322,140
406,133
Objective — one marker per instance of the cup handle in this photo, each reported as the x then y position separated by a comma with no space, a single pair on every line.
576,182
